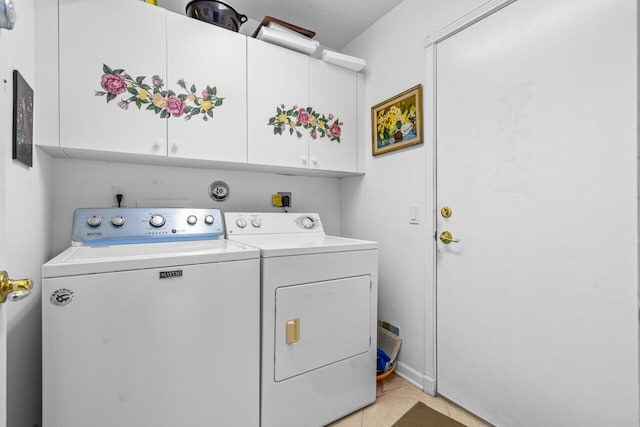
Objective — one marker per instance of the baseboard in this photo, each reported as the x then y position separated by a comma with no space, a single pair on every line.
423,382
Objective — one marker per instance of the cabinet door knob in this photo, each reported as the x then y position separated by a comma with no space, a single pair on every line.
304,159
176,145
156,144
314,160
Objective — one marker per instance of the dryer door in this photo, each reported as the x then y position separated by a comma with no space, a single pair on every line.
321,323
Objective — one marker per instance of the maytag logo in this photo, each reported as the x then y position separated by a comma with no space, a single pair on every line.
61,297
170,274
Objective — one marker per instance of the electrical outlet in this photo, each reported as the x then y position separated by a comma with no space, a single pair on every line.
287,194
276,200
119,189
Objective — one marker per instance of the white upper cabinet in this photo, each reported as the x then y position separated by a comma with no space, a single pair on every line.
278,87
302,111
332,94
207,66
109,53
139,83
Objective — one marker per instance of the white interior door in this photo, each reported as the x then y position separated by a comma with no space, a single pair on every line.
6,100
537,316
3,312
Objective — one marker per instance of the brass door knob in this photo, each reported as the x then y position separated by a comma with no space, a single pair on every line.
446,212
14,290
446,237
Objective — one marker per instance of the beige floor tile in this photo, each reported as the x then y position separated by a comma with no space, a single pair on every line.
386,411
409,391
461,415
392,382
352,420
395,397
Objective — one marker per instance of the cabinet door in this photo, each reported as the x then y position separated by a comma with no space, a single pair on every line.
277,89
207,67
332,95
110,51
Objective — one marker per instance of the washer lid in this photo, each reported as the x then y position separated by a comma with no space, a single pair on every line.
78,260
274,245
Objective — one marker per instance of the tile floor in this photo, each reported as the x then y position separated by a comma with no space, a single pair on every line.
395,397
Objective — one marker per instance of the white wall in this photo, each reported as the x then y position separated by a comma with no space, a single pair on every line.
376,206
84,183
27,228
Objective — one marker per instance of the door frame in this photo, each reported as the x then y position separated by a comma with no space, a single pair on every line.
430,385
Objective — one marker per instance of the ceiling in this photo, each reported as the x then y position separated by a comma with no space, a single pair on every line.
336,22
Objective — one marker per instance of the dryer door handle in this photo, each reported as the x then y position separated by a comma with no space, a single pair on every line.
293,331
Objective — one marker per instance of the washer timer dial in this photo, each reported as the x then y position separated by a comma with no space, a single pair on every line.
157,220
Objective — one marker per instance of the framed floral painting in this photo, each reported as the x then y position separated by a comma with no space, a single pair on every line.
397,122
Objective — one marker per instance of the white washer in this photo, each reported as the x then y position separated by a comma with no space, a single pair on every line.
151,318
319,311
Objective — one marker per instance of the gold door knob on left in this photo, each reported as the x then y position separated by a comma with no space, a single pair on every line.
14,290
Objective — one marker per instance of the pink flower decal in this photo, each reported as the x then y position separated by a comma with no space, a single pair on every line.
113,83
303,116
153,97
317,124
175,106
335,130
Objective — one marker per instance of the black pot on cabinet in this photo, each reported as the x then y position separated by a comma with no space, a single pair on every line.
216,13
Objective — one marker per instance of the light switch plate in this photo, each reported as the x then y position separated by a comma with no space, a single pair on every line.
414,214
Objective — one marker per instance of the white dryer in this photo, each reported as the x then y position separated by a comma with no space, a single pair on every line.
319,311
151,318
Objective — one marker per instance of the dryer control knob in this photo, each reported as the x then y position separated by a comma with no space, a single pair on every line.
192,219
256,222
241,222
94,221
157,220
117,221
308,222
209,219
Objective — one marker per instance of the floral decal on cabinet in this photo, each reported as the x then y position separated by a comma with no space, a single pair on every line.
163,102
296,119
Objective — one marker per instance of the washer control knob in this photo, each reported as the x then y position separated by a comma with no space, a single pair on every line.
241,222
157,220
208,219
256,222
117,221
308,222
192,219
94,221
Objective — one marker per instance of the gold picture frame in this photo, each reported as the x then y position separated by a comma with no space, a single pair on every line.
396,123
